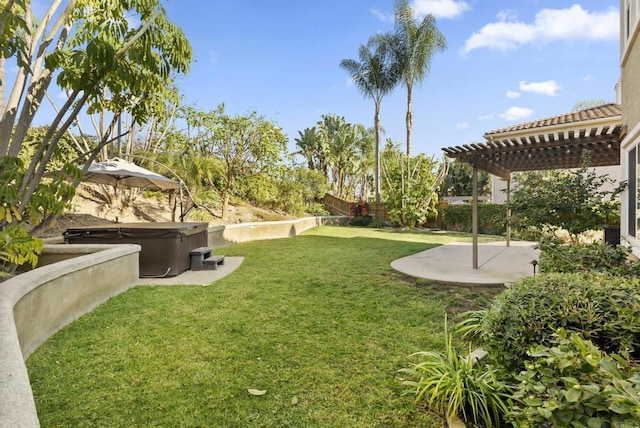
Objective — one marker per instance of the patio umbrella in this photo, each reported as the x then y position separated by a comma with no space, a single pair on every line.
120,173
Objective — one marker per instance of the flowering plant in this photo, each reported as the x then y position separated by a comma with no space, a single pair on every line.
360,209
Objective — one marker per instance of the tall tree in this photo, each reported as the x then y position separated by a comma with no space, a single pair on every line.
307,143
114,56
375,74
105,55
246,145
417,42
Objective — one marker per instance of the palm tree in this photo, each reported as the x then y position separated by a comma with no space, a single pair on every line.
416,44
307,142
375,74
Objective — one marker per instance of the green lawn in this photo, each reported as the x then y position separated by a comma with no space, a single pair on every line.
319,321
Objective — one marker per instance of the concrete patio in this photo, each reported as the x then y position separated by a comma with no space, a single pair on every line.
452,263
200,277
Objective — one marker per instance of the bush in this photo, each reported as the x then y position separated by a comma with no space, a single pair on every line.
573,200
491,218
604,309
598,256
361,220
575,384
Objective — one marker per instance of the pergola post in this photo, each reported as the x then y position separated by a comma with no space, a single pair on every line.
508,231
474,217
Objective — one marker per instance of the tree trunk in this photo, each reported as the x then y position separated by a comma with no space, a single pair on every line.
376,124
409,119
225,204
409,126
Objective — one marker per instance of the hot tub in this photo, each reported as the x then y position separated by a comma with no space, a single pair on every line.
165,245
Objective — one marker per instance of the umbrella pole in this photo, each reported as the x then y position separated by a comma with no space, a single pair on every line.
181,208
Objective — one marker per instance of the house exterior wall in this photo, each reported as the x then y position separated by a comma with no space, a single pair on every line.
630,97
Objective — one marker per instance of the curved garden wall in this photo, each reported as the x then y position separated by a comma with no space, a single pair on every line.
36,304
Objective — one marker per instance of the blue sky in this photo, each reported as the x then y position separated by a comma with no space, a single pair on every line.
507,62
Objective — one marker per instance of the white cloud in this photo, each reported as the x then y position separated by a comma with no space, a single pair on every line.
513,94
574,23
462,125
349,82
485,117
549,87
507,15
516,113
382,16
440,8
588,77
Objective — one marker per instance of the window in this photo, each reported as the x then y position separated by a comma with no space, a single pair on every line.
632,192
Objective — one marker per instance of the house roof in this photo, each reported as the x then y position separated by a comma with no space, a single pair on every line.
552,143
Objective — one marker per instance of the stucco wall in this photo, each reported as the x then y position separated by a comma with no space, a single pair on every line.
631,88
36,304
220,236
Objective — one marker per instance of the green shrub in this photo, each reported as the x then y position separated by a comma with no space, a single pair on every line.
604,309
491,218
598,256
455,385
575,384
361,220
572,200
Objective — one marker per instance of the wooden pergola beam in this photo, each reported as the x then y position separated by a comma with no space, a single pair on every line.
560,142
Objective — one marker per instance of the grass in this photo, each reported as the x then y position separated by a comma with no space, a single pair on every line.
319,321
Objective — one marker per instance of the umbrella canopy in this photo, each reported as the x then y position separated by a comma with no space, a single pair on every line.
120,173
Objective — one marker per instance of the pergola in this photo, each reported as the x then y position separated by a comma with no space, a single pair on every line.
553,143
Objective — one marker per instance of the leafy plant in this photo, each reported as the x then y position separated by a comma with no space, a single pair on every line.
455,385
411,197
17,248
573,383
459,181
582,204
362,220
49,198
603,308
491,218
471,326
359,209
598,256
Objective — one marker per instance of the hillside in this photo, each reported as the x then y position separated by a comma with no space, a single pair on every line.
88,209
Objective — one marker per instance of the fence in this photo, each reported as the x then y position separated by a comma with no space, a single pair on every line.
337,206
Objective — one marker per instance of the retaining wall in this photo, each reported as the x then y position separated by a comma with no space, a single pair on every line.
36,304
220,236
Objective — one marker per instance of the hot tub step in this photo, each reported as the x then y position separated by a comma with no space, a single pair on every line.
212,262
198,255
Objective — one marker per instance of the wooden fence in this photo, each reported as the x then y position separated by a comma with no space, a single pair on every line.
337,206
